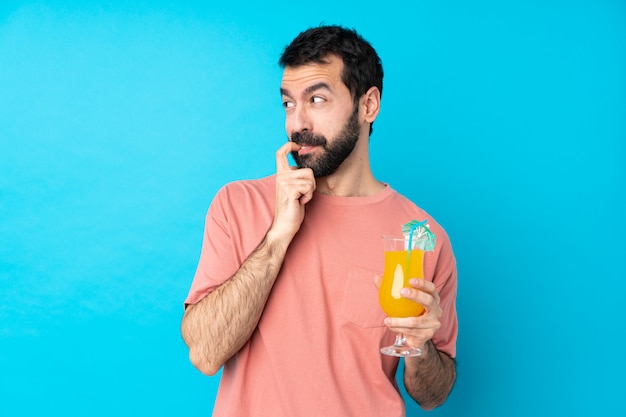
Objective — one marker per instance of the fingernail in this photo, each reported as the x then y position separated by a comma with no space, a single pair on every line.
405,291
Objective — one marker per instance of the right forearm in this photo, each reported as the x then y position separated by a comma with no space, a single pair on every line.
218,326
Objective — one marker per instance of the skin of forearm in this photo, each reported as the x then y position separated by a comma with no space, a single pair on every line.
218,326
429,378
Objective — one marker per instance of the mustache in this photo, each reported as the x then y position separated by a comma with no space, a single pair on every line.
308,138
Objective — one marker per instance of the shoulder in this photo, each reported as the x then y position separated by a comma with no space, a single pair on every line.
410,208
244,199
250,186
252,190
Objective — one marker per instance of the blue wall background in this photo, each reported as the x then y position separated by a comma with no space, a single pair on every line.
120,120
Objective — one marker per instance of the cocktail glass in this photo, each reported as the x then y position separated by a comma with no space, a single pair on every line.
401,264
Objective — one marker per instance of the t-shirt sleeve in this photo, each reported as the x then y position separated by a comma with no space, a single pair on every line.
217,262
445,279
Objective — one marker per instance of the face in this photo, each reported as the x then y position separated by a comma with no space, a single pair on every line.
320,116
332,153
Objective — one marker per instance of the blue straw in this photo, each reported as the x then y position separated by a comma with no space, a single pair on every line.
413,225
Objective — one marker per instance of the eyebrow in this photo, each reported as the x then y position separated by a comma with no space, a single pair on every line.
310,89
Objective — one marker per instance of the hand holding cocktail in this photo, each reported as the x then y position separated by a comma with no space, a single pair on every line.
404,261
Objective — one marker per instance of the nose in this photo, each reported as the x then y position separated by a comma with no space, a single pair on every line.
298,120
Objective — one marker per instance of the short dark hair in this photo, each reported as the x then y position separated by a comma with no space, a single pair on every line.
362,69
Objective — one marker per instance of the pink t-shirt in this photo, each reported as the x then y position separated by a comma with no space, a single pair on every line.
316,348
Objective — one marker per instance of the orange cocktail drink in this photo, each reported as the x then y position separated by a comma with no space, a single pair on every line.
400,266
404,260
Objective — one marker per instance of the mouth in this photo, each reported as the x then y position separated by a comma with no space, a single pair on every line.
308,141
305,149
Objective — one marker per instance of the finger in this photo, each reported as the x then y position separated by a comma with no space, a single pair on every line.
423,285
296,184
377,280
405,324
302,190
282,163
428,300
307,195
412,325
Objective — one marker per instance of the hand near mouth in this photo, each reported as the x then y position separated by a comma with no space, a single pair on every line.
294,189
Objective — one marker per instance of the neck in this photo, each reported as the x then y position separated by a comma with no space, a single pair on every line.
354,178
341,187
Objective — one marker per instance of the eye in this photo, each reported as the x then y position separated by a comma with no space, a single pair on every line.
317,99
288,104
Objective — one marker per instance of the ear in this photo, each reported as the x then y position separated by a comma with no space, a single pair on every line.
371,104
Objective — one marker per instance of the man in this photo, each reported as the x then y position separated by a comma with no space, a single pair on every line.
284,296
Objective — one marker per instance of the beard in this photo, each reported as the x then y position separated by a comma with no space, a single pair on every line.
333,154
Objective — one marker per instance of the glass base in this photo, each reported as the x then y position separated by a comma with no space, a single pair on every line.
401,351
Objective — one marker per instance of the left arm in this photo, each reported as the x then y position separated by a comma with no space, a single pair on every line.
427,378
